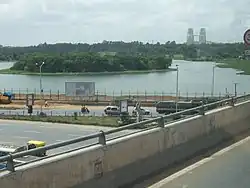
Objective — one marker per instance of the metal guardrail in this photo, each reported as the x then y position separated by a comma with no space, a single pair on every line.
102,134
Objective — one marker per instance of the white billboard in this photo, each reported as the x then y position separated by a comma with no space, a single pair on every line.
124,106
81,89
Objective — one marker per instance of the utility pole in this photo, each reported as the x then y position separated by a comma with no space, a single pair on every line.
177,88
235,89
212,92
41,86
138,112
227,94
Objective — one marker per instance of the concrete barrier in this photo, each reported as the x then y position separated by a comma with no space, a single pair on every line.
128,158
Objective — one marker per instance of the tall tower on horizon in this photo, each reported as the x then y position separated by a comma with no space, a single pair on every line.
190,36
202,36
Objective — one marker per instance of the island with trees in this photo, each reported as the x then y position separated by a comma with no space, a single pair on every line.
86,62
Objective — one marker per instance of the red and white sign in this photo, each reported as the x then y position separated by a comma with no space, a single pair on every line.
247,37
247,52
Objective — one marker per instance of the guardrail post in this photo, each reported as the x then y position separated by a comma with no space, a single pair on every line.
161,122
232,101
102,138
202,110
10,164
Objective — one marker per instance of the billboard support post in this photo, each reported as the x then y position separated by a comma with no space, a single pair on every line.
30,99
124,115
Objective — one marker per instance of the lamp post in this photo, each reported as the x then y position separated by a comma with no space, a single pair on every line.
177,88
212,91
41,87
235,89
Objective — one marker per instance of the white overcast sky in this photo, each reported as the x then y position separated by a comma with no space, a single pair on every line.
29,22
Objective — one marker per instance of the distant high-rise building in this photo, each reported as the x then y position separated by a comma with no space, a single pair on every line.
190,36
202,36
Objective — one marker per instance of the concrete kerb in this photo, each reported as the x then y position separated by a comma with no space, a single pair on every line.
123,160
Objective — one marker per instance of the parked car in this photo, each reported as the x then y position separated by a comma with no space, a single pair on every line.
112,110
10,149
6,149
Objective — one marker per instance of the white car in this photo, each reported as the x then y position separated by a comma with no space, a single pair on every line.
112,110
144,111
10,149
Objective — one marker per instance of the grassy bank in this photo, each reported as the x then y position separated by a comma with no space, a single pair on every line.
81,120
8,71
201,59
241,65
10,107
178,57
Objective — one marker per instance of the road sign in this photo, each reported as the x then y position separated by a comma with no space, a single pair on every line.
247,52
247,37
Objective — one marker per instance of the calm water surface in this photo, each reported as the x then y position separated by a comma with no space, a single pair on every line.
194,77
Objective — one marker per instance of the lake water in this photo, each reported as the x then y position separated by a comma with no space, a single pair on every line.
194,77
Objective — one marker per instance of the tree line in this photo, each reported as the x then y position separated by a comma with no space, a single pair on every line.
171,48
89,62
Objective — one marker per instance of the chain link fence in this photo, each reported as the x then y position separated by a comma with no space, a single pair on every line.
24,112
57,95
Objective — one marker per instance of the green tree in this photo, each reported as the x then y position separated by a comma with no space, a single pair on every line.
89,62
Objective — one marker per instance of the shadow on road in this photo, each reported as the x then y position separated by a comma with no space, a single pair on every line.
164,173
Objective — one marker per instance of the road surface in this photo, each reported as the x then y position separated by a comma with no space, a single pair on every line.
19,132
228,168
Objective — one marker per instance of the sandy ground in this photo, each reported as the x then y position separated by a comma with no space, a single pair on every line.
51,106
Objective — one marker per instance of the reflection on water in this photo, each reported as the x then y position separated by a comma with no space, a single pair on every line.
5,65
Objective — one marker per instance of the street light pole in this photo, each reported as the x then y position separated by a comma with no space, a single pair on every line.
235,89
212,92
41,87
177,89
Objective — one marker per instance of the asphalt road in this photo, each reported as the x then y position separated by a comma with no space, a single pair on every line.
18,133
228,168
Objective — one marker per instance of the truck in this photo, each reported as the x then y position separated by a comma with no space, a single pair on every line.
6,97
168,107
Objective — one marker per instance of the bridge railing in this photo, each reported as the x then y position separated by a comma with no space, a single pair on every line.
159,121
